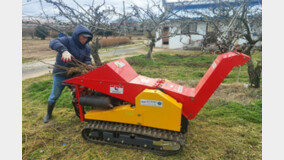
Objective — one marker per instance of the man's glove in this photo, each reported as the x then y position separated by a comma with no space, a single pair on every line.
66,56
90,67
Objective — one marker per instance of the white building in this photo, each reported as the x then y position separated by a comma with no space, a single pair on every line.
179,36
178,31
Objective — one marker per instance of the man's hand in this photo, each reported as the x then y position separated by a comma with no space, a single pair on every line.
66,56
90,67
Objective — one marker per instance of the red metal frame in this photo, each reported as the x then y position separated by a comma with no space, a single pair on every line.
118,79
78,93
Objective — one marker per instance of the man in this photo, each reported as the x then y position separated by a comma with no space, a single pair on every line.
67,47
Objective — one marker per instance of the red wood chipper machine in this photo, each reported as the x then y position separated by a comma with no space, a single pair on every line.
126,109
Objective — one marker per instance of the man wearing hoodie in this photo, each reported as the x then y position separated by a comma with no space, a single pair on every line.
67,47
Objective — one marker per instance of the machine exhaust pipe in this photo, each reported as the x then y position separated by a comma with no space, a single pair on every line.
95,101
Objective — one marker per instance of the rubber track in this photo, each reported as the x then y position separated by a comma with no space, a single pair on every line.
137,130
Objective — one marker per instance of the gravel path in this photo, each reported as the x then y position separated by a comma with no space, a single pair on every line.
35,69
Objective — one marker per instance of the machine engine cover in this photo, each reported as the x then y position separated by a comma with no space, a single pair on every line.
153,108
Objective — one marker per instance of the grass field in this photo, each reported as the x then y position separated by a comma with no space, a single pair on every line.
229,126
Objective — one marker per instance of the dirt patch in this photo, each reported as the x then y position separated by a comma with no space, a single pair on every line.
36,49
237,92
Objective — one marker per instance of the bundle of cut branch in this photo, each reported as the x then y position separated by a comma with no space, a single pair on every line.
78,67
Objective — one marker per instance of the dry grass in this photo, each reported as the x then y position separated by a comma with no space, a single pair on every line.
237,92
36,49
113,41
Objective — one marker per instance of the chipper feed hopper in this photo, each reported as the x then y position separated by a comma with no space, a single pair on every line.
126,109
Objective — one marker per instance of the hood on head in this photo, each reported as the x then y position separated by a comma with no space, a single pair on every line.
80,29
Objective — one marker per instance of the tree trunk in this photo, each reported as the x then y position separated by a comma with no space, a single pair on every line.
151,46
253,72
95,52
32,35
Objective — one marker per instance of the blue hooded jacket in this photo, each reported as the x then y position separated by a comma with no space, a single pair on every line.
73,46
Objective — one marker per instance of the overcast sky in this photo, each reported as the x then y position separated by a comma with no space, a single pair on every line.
33,8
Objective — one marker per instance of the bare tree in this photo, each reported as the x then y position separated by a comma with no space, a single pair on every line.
95,17
253,71
153,17
231,22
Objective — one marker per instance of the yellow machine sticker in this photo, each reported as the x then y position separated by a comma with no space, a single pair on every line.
153,103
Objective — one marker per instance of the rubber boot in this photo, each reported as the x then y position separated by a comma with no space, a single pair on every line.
49,112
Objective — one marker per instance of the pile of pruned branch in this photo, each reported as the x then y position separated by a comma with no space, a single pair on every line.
78,68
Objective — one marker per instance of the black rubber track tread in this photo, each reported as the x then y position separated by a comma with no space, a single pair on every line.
137,130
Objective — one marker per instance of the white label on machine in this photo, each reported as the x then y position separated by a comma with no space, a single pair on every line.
119,64
180,88
153,103
214,65
116,89
145,80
